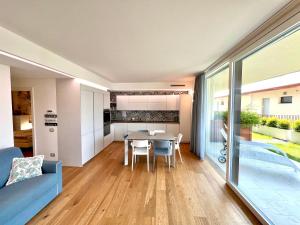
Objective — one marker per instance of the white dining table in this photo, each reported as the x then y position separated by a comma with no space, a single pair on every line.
144,135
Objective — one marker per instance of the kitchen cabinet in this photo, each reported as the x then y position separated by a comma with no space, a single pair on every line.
132,127
120,130
156,106
173,129
122,102
172,102
156,126
106,100
87,125
98,121
148,102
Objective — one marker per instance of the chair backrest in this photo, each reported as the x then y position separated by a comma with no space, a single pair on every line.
179,137
139,143
162,145
159,131
6,157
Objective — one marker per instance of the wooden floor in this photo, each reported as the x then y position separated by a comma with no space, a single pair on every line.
106,192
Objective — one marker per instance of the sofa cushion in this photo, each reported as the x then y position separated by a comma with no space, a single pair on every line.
6,157
24,168
16,197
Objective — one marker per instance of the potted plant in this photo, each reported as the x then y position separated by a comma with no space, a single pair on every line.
247,121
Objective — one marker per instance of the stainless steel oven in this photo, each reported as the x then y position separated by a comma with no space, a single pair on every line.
106,120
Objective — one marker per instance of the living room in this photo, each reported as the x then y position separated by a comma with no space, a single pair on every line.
149,112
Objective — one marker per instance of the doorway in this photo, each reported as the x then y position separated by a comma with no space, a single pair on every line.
23,121
265,106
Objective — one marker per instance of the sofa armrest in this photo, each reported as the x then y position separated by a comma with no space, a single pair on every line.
51,166
54,167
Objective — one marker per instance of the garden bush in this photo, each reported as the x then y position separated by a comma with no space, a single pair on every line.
263,121
284,124
297,126
272,122
248,119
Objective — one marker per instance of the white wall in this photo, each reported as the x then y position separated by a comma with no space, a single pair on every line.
6,121
69,122
43,99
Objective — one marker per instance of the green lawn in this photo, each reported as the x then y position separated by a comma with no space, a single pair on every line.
292,149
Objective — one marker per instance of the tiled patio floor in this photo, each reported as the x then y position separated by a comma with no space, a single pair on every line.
272,188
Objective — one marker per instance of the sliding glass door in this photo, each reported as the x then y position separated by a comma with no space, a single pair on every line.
217,90
265,149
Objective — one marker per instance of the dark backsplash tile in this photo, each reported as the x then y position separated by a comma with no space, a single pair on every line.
145,116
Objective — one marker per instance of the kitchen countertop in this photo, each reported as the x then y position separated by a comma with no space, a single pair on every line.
139,121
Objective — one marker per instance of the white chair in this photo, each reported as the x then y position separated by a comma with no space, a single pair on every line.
177,145
140,147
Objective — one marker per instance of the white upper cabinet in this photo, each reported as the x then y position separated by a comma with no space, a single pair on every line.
148,102
172,102
107,100
137,98
122,102
157,98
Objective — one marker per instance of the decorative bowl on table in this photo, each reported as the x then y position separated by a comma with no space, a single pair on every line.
151,132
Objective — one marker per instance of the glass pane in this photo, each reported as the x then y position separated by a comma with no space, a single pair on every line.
266,152
216,110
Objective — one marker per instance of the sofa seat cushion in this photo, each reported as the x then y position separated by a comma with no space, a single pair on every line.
16,197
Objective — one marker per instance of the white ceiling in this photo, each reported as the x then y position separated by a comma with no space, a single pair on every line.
138,40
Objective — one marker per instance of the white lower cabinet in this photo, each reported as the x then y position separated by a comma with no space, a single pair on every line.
173,129
132,127
120,131
156,126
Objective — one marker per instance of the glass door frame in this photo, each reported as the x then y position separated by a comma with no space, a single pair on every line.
205,118
235,68
235,75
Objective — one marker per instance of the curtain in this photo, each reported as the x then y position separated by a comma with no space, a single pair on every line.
198,131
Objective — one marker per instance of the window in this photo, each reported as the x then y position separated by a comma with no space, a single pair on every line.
217,91
265,153
286,99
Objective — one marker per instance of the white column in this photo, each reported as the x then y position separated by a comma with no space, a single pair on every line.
6,121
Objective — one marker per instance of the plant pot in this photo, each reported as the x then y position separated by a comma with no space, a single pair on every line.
246,133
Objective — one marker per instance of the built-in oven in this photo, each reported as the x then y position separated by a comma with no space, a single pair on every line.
106,121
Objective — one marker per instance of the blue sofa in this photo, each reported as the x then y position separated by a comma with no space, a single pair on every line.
20,201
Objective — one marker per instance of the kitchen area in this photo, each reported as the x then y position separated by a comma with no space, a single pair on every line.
150,110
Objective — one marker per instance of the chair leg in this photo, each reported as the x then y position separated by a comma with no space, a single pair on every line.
132,161
180,154
134,158
148,162
169,159
166,160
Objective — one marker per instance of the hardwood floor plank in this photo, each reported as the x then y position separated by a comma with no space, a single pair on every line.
105,192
